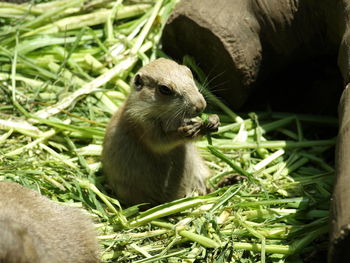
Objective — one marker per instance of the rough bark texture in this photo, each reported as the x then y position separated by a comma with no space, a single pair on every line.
238,43
340,236
340,206
227,47
241,43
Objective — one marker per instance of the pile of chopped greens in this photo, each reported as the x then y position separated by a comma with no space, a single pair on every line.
65,69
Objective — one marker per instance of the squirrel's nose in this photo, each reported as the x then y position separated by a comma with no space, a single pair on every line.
199,105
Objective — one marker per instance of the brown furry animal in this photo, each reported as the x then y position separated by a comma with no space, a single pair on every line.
148,156
33,229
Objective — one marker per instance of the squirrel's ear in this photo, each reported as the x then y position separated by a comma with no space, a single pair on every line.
188,71
138,82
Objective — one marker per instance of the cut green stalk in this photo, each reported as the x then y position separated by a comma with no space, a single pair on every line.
49,13
248,124
42,41
66,75
232,191
215,178
300,130
31,64
144,32
81,159
268,160
140,250
110,19
84,132
230,163
92,19
288,133
249,228
200,239
228,144
42,7
28,81
256,234
124,86
94,64
42,138
272,249
88,88
135,236
4,137
294,166
261,213
13,78
94,189
292,202
320,119
169,209
242,134
20,126
157,258
318,161
118,48
58,156
299,245
274,125
23,9
72,49
54,182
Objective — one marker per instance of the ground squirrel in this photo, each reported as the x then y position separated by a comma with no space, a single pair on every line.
148,156
34,229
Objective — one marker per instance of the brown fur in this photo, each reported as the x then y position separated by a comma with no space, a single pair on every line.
147,154
34,229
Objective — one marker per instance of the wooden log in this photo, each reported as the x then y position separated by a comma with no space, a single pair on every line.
339,32
227,50
339,251
239,43
340,235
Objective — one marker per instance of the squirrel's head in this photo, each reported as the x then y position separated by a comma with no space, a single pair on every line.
165,91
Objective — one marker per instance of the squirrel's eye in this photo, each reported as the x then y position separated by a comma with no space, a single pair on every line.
138,81
165,90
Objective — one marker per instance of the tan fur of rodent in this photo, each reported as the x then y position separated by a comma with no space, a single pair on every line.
147,153
34,229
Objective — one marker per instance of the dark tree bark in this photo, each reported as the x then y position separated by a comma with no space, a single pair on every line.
340,235
239,43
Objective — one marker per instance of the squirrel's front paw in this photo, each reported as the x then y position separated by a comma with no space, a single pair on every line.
191,128
212,124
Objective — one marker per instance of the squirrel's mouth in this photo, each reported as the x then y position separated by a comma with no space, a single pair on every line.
172,125
192,113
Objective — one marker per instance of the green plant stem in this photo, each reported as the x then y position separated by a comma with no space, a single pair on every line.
271,249
141,38
169,209
234,166
44,137
110,20
229,145
200,239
